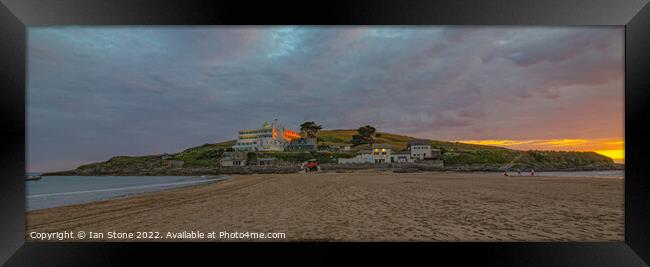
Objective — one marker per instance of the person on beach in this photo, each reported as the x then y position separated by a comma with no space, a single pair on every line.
519,172
532,172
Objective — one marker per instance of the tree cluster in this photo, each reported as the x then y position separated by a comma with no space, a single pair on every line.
365,135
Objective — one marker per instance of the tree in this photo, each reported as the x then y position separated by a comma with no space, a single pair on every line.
367,132
365,135
310,129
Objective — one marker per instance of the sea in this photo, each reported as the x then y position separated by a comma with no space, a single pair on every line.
57,191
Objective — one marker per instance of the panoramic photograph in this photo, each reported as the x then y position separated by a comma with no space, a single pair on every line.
314,133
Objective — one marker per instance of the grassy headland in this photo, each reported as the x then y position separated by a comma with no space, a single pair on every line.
204,159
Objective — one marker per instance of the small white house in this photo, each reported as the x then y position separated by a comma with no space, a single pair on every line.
233,159
420,149
381,153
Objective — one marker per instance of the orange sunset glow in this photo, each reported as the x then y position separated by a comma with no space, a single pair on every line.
614,149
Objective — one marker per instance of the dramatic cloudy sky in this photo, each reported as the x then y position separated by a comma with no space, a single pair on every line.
96,92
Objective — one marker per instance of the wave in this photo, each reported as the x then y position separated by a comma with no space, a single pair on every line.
120,188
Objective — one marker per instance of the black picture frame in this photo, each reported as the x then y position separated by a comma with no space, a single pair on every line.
16,15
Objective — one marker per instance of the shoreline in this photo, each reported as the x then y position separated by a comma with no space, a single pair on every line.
364,205
511,173
326,168
76,196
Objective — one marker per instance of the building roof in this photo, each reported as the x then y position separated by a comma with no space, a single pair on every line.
381,146
233,155
419,142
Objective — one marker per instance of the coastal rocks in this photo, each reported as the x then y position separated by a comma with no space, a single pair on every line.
148,166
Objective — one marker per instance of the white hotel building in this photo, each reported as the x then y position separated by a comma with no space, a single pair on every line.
271,137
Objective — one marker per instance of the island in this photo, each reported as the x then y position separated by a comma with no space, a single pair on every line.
338,150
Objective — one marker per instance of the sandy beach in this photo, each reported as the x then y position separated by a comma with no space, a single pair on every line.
364,206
